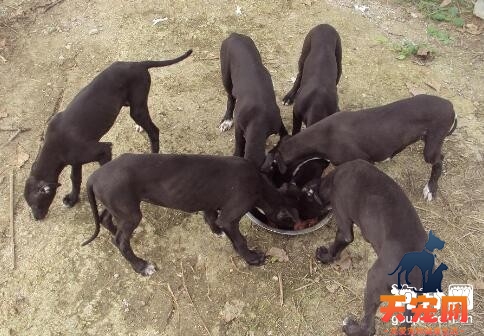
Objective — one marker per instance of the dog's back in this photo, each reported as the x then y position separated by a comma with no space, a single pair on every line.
323,60
381,210
185,182
253,81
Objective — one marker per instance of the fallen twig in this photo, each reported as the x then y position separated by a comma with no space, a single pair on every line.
281,291
175,302
4,60
12,226
191,300
208,285
17,132
304,286
52,5
237,269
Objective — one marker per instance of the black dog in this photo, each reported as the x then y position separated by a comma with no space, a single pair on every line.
361,194
224,188
373,135
314,92
249,91
72,137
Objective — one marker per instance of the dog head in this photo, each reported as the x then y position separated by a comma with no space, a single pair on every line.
274,163
39,196
434,242
285,214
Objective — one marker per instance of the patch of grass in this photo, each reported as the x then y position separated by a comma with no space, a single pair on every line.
450,13
440,35
406,49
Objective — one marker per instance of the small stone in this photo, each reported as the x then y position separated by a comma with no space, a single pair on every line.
479,9
93,31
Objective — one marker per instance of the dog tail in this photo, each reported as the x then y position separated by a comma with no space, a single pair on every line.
153,64
396,269
95,213
454,126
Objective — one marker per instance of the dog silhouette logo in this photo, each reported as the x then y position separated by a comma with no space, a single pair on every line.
424,260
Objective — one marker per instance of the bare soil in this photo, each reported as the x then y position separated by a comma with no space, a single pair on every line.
58,288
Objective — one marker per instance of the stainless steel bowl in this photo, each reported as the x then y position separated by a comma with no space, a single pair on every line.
263,225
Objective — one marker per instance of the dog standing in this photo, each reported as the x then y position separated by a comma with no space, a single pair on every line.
250,92
361,194
72,136
374,135
314,92
224,188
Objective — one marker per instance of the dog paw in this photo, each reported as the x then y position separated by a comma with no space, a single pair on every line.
323,255
225,125
351,326
138,129
148,270
255,258
69,201
427,194
287,100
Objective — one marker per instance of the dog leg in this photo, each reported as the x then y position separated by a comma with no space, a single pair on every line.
433,155
125,228
85,153
255,143
296,123
344,236
76,178
291,95
141,115
239,142
210,218
107,222
306,48
230,227
375,286
228,118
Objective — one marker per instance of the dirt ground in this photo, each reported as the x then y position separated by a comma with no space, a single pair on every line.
202,287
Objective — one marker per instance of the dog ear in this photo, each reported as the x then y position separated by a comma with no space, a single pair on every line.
279,163
48,187
267,165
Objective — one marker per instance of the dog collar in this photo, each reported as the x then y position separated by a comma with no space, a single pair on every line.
429,252
314,193
304,162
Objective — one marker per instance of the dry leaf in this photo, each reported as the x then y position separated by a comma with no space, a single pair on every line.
424,53
477,284
344,262
278,254
473,29
332,287
22,157
445,3
414,90
232,310
434,85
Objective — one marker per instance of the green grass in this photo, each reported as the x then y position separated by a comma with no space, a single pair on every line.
450,13
406,49
440,35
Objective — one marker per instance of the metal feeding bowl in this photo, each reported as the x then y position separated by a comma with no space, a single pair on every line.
258,218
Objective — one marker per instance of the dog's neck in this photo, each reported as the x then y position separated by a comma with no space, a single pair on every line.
296,150
47,167
270,196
